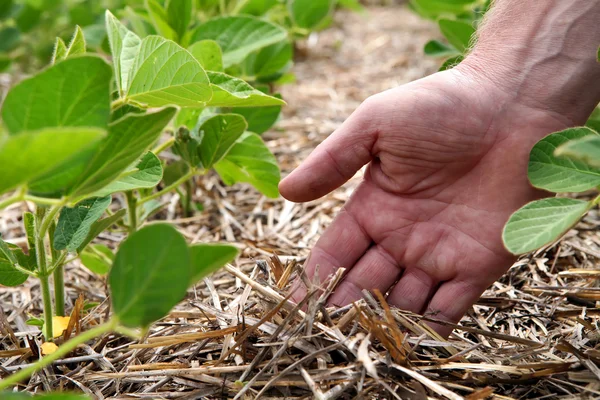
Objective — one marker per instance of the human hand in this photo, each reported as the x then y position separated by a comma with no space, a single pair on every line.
447,162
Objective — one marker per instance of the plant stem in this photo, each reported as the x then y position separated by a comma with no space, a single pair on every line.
40,254
187,207
132,210
58,272
49,218
42,200
163,146
58,354
17,197
167,189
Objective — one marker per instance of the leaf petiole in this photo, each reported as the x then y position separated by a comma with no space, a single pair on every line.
190,174
163,146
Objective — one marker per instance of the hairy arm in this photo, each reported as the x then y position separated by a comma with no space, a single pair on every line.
543,54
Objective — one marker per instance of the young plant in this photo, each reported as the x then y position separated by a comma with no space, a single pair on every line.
81,132
563,162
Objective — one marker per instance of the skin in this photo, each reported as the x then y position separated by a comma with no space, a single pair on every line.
447,160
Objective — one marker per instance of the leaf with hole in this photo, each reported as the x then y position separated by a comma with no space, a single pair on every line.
164,73
239,36
127,140
28,155
71,93
146,174
561,175
209,54
74,223
124,47
541,223
208,258
249,160
233,92
150,275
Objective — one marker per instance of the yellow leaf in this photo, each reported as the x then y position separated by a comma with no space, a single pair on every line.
48,348
59,325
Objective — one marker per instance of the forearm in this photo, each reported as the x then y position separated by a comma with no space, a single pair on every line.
542,53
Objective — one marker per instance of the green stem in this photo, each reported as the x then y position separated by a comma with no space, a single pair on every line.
163,146
40,254
42,200
49,218
58,271
132,210
596,201
189,188
17,197
167,189
58,354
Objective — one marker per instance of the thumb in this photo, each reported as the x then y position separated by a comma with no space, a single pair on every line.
337,159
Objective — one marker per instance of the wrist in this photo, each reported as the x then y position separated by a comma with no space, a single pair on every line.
541,56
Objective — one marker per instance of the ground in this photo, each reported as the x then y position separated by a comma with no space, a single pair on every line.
534,334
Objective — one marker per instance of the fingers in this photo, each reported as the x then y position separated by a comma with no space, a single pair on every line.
335,160
413,291
452,300
375,270
342,244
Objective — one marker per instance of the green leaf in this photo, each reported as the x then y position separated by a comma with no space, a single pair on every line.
149,208
209,54
9,275
542,222
452,62
434,8
150,275
127,140
308,14
159,18
239,36
586,149
100,226
594,120
458,33
560,175
98,258
249,160
179,15
435,48
30,154
74,92
165,73
60,51
208,258
257,8
77,44
146,174
124,47
260,119
269,61
232,92
9,39
174,171
74,224
218,134
352,5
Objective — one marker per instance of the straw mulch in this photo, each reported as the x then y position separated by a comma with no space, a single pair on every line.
534,334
